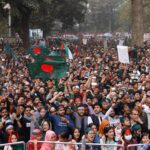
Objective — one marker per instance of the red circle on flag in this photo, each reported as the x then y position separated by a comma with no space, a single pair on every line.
49,59
47,68
37,50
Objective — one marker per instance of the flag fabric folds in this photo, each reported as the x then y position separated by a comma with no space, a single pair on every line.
48,64
68,52
46,70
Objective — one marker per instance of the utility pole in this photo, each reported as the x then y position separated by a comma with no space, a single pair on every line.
7,6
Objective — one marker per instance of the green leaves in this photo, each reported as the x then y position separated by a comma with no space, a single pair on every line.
70,12
44,13
28,4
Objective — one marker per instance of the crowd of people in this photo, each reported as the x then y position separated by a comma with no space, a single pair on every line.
99,101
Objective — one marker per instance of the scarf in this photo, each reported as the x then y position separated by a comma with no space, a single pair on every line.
28,118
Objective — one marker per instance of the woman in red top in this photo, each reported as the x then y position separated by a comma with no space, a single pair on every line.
35,137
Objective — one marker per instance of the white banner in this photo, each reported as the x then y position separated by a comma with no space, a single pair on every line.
84,41
123,54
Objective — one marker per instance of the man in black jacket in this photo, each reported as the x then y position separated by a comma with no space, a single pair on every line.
22,124
96,118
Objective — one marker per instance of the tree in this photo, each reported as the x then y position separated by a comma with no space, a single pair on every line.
146,16
137,22
21,12
44,17
103,15
124,17
70,12
43,13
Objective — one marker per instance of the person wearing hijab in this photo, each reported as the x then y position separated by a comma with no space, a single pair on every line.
50,136
9,128
36,136
13,137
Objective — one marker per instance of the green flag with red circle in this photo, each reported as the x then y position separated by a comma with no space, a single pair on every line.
48,64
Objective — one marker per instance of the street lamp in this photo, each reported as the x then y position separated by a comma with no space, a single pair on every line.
7,6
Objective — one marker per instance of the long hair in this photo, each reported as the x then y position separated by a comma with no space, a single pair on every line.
104,123
48,137
78,140
106,130
10,136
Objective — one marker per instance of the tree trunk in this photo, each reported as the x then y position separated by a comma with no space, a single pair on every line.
137,22
25,29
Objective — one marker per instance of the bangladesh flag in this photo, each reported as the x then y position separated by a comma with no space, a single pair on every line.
67,50
48,69
38,52
62,46
56,55
48,64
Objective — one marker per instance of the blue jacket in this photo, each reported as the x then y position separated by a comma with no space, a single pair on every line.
59,126
143,147
97,139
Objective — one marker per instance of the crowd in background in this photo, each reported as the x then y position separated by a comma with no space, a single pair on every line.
100,100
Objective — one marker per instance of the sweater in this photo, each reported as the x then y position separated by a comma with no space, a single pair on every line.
59,125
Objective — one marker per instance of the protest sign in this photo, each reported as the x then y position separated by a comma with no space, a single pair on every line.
84,41
123,55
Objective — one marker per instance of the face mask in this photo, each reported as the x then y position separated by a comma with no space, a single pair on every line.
128,137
